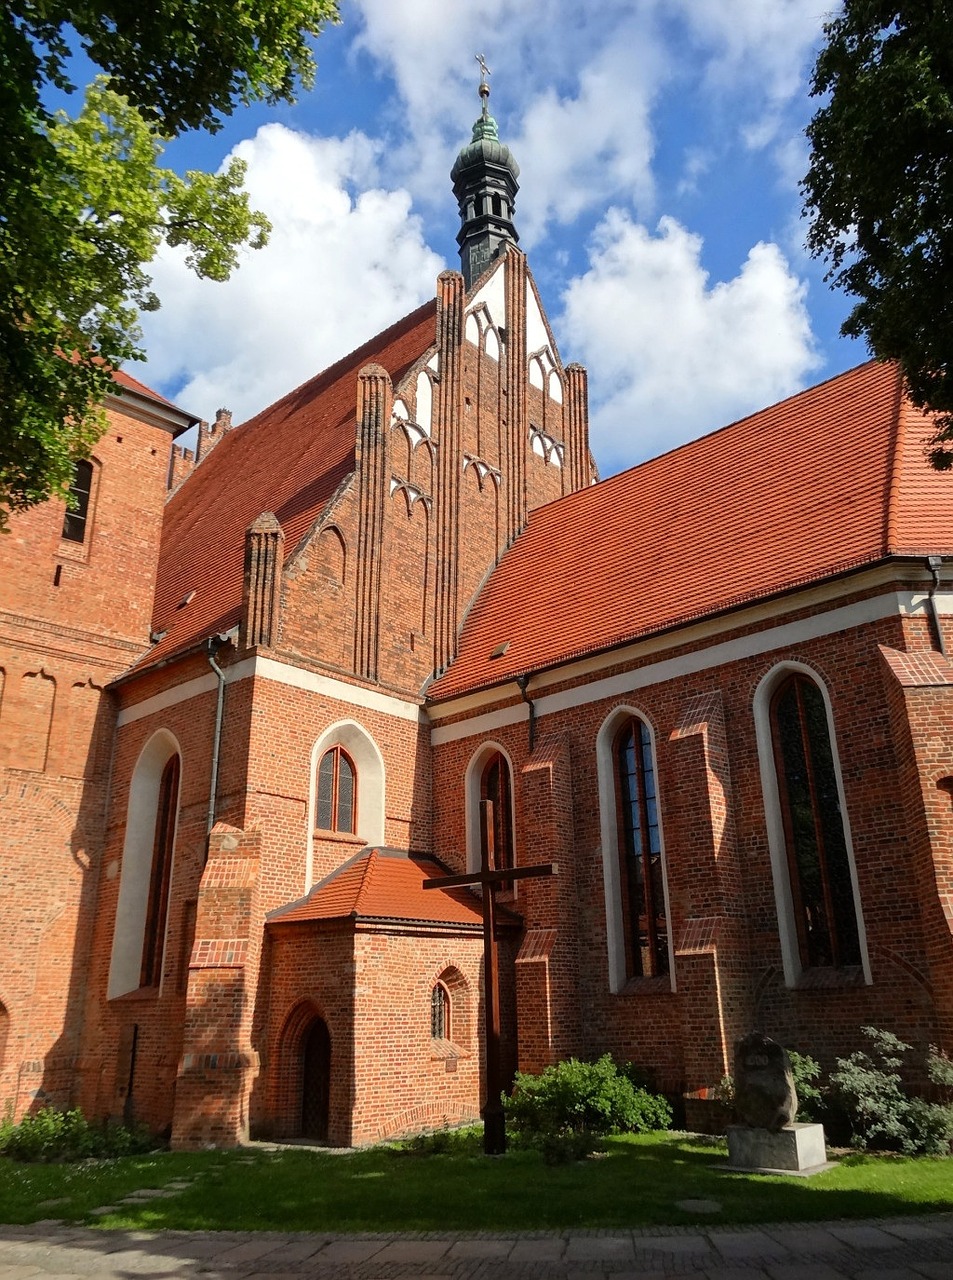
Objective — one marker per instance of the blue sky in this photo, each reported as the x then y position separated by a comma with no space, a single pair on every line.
660,144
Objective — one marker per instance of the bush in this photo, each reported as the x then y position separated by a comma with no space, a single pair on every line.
466,1141
810,1100
563,1146
50,1135
584,1097
883,1116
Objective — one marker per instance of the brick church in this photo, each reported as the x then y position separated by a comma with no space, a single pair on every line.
253,696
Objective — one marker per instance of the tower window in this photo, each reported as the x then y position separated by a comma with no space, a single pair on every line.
77,513
337,810
497,207
641,875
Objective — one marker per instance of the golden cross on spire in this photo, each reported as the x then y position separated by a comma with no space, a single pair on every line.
484,85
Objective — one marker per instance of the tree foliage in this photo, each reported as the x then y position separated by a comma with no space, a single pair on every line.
84,204
879,190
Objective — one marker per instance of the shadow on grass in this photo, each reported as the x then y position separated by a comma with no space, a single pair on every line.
634,1182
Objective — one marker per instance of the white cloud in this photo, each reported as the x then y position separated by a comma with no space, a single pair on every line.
579,89
582,149
572,88
345,260
671,355
762,42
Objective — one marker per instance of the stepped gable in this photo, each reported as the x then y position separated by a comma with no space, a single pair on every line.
289,459
385,885
788,496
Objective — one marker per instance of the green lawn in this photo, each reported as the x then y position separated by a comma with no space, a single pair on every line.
635,1183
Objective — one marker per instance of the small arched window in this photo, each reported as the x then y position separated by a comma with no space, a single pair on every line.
337,792
440,1012
160,882
641,876
496,787
818,862
77,512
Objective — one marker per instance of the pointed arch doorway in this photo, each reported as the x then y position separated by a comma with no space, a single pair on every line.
315,1080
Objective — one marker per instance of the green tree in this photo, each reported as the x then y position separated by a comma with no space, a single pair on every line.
84,205
879,190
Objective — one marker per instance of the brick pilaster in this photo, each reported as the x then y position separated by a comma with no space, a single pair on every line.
374,399
547,967
261,590
577,426
706,896
449,434
219,1063
515,407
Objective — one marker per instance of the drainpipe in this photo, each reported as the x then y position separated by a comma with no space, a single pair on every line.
212,646
933,564
523,681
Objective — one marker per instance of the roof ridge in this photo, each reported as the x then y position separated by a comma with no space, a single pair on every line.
332,371
696,442
894,467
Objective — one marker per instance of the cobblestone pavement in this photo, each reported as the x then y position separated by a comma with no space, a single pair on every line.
896,1249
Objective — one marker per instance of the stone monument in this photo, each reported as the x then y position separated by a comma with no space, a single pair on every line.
766,1137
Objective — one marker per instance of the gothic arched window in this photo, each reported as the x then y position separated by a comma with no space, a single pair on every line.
641,878
160,881
337,792
822,888
496,787
440,1012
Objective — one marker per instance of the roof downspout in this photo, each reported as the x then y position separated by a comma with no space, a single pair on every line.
522,681
933,564
212,646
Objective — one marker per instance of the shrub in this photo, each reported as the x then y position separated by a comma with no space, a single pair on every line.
563,1146
584,1097
806,1070
50,1135
882,1114
465,1141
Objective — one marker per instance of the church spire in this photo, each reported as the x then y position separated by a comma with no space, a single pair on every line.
484,178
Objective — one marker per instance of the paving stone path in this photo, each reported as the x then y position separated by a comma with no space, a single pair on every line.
894,1249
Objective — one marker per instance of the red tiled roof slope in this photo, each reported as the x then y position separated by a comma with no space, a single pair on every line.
289,459
378,886
129,383
831,479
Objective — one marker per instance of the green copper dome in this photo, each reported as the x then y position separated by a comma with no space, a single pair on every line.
484,147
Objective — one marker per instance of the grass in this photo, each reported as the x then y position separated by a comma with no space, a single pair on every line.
637,1182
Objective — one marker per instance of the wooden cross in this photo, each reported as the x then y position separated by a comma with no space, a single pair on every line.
490,879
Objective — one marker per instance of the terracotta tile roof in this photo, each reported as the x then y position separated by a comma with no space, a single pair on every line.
826,481
289,459
385,885
129,383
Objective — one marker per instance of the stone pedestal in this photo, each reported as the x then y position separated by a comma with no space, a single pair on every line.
796,1149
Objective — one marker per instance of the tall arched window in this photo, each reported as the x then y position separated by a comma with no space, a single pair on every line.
495,786
147,854
440,1012
822,888
337,792
77,513
157,904
641,882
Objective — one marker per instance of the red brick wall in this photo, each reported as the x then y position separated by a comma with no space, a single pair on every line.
723,914
72,617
